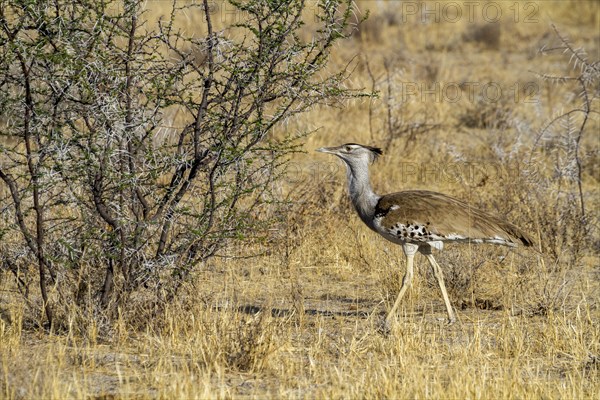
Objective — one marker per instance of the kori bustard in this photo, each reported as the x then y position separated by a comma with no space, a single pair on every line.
419,220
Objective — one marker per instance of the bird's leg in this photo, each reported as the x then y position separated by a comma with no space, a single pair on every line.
409,250
439,275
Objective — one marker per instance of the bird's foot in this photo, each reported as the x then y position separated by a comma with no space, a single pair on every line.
384,327
447,321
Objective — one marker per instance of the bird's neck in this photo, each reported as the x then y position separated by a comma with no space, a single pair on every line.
362,195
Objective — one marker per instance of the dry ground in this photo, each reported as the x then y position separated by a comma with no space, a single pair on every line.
302,320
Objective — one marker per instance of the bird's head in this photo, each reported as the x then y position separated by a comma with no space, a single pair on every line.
353,153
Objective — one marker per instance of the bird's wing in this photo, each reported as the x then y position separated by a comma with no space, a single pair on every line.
443,218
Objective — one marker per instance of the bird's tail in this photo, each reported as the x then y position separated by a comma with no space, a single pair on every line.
518,235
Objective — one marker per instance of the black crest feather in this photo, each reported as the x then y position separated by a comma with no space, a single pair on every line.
375,152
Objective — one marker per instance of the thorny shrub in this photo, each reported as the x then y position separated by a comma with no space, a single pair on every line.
131,153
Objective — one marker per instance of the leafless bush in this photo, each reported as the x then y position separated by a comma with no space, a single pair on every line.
565,131
397,124
484,113
485,34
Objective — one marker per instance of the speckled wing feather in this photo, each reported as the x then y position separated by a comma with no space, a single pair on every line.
420,215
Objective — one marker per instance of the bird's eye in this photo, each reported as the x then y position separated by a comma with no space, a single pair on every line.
348,149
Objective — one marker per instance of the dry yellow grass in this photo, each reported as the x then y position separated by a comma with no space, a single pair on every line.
302,321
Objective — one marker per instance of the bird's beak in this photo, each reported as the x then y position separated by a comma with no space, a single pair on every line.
326,150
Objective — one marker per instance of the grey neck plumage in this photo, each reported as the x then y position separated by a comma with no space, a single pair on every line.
362,195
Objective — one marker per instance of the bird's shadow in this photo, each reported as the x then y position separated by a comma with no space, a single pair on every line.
252,309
